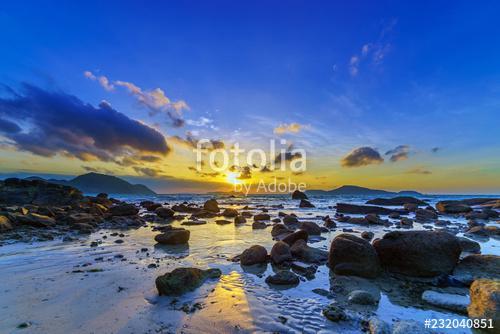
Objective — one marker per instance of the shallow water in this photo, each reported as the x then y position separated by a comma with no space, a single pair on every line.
38,284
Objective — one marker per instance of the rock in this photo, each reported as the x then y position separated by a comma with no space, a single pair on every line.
406,222
394,215
358,221
229,212
330,223
34,219
239,220
15,191
212,206
353,256
304,269
409,326
447,301
375,219
293,237
297,194
182,280
303,252
362,209
193,222
411,207
473,267
304,203
425,215
362,297
482,232
261,216
377,326
452,207
477,215
485,302
469,246
123,210
367,235
290,220
174,236
311,228
5,224
223,222
279,229
281,252
283,278
258,225
164,213
334,313
396,201
418,253
253,255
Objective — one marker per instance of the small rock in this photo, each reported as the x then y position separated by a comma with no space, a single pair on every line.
283,278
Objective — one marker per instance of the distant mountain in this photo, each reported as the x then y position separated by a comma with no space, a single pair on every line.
101,183
360,191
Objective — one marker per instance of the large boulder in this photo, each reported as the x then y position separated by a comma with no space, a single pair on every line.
239,220
308,254
425,215
123,210
351,255
279,230
34,219
5,224
230,213
476,266
297,194
211,205
15,191
396,201
253,255
174,236
262,216
362,209
182,280
452,207
293,237
311,228
485,302
418,253
281,252
164,213
304,203
290,220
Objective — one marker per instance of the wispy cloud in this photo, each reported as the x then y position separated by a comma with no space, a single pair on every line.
361,156
399,153
288,128
419,170
155,100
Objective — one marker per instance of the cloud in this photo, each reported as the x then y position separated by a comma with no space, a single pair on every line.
59,123
155,100
354,65
361,156
245,173
146,171
201,122
289,155
435,149
288,128
419,170
399,153
191,141
7,126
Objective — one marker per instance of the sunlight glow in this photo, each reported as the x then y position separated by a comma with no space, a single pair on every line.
232,178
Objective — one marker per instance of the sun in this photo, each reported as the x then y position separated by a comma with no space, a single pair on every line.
232,178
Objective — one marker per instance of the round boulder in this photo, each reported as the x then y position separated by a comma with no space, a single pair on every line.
281,252
253,255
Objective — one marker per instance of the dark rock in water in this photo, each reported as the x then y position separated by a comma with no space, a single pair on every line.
174,236
222,222
477,266
362,297
283,278
203,214
253,255
15,191
258,225
485,302
453,207
211,205
305,204
481,231
425,215
362,209
375,219
311,228
34,219
239,220
297,194
193,222
230,213
352,256
334,313
123,210
293,237
396,201
418,253
164,213
469,246
357,221
182,280
5,224
396,215
290,220
279,229
411,207
281,252
304,269
304,253
367,235
406,222
448,301
261,216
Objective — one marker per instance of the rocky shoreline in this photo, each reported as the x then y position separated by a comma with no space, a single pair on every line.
433,266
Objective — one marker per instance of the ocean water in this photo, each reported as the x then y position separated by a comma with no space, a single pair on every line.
113,289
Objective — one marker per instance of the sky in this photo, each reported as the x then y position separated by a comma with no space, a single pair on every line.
382,94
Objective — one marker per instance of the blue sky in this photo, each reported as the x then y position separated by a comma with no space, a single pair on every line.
362,74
